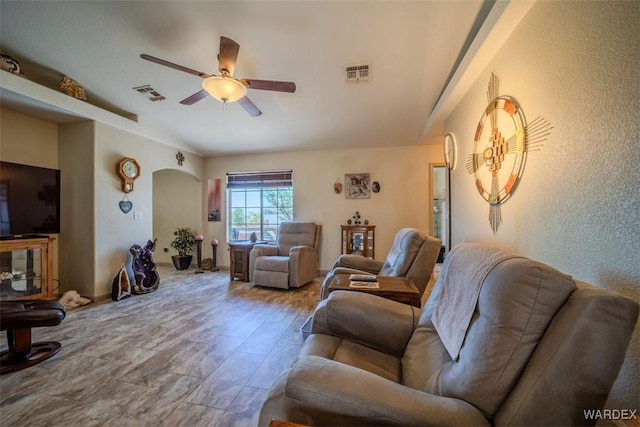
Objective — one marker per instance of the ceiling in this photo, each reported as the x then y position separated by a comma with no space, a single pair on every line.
413,48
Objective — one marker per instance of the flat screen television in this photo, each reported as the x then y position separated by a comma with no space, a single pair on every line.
29,200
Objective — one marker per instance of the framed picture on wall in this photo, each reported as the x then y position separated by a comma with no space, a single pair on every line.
357,185
215,199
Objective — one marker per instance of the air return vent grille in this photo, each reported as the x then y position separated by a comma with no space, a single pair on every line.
149,92
357,72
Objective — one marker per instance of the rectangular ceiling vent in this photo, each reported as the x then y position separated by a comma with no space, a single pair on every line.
357,73
149,92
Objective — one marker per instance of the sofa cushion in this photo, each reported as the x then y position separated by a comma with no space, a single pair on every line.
406,245
353,354
273,279
273,263
296,234
517,301
575,363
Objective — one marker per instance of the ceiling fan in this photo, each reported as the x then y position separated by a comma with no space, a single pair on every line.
225,87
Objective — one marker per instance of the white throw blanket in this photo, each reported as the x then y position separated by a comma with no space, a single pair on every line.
463,273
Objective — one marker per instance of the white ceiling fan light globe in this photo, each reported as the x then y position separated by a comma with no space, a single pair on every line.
224,89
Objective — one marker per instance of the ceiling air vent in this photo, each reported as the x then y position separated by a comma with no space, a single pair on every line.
357,73
149,92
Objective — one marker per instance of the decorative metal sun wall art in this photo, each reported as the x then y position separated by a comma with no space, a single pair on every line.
499,154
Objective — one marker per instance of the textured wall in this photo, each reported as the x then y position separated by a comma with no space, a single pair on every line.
577,207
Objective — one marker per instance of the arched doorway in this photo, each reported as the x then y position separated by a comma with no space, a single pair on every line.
177,202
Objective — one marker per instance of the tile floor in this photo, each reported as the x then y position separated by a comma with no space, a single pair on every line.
200,351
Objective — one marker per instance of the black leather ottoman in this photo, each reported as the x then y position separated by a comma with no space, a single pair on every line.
17,318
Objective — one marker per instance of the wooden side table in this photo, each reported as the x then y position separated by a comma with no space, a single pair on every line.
398,289
239,259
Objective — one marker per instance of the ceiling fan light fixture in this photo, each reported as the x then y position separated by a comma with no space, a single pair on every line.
225,89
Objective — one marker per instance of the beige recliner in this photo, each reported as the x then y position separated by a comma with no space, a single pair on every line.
412,255
292,261
526,345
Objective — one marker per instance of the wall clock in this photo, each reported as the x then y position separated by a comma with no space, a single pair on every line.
450,150
500,145
129,171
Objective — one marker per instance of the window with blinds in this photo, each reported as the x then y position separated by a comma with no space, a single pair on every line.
258,202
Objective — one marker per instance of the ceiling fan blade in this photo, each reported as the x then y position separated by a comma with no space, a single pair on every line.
227,56
249,106
289,87
194,98
174,66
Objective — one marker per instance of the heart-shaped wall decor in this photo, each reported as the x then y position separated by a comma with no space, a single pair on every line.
125,206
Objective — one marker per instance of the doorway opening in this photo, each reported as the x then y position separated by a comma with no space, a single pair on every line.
441,215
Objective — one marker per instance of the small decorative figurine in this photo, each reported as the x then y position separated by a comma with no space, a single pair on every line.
356,218
337,186
144,268
180,158
72,88
121,286
9,64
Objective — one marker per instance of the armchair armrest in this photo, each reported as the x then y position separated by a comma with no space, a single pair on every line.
261,249
358,263
371,320
335,390
296,250
303,265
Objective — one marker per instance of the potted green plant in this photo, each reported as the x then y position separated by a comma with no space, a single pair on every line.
183,243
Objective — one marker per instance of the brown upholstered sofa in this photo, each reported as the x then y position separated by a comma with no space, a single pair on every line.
527,345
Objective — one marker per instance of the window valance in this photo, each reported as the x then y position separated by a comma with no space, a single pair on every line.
261,179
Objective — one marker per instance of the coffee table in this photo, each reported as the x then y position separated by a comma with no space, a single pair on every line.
398,289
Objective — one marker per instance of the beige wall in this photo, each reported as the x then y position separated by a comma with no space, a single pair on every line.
403,201
77,237
19,131
177,202
577,207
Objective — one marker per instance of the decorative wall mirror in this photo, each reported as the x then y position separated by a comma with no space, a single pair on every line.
439,197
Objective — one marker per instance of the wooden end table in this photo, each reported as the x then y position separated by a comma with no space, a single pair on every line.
398,289
239,251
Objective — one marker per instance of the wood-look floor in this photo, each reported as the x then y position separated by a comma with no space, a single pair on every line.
200,351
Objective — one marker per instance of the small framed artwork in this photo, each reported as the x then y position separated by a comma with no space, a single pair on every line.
214,202
357,185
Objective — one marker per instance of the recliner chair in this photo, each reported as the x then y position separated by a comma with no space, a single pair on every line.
412,255
292,261
538,348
